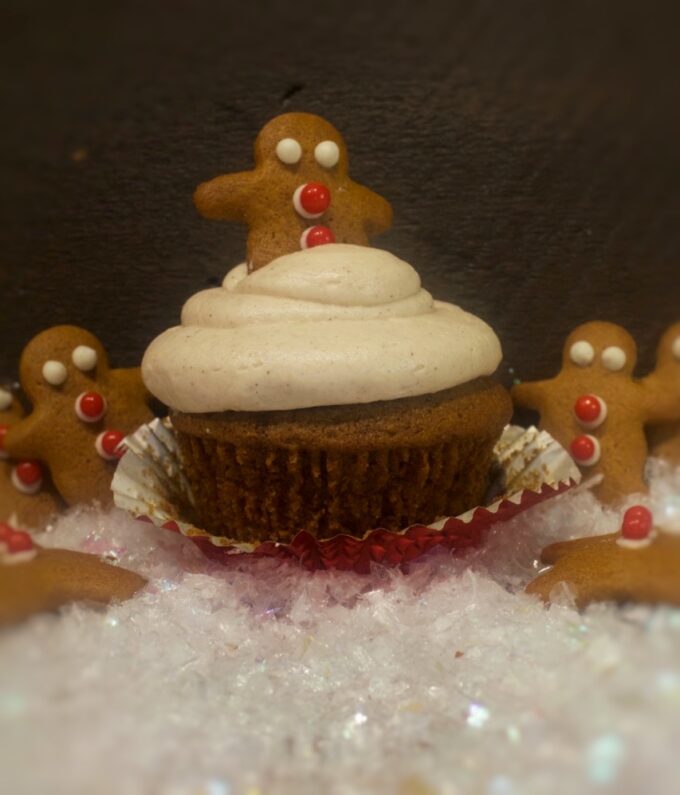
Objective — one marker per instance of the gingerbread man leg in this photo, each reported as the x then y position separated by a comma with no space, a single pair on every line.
52,578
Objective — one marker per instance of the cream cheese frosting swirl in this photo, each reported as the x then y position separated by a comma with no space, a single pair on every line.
332,325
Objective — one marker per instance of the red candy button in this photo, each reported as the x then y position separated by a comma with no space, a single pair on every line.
311,200
3,433
19,541
637,523
5,532
590,411
109,445
27,477
585,450
90,407
316,236
16,546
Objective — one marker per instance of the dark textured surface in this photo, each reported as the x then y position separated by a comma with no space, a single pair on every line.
529,150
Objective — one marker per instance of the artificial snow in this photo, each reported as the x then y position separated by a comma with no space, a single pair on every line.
260,678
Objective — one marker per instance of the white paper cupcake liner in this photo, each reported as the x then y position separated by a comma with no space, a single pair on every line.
149,484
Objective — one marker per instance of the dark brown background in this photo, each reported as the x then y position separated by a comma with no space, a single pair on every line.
530,150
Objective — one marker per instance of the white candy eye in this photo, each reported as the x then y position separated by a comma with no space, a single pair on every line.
84,358
327,154
289,151
54,373
582,353
676,348
614,358
5,399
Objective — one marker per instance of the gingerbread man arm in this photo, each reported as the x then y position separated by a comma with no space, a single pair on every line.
378,211
226,197
24,440
661,404
599,569
131,378
529,395
574,564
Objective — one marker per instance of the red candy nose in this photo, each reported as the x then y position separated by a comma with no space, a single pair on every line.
316,236
311,200
637,523
590,411
90,407
585,450
27,477
3,433
109,445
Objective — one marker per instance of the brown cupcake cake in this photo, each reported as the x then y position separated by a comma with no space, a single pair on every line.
325,390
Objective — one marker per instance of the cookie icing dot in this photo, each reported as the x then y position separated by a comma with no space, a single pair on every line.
84,358
614,358
582,353
289,151
675,347
54,373
327,154
5,399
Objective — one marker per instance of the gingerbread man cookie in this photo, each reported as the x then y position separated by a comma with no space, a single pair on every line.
664,440
638,564
35,580
27,497
597,411
299,194
82,410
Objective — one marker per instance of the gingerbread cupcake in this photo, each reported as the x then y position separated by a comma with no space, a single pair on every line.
321,388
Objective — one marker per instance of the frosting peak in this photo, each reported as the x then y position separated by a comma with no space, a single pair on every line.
341,274
331,325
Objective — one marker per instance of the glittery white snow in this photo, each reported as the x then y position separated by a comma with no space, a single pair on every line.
261,679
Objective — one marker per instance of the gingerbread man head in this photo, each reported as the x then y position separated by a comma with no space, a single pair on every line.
602,349
64,360
668,354
82,410
302,143
299,195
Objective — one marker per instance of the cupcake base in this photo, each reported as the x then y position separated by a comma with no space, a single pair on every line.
342,469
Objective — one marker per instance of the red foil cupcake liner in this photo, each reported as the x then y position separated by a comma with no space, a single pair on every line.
150,485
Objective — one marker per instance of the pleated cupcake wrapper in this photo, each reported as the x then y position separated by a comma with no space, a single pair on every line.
149,484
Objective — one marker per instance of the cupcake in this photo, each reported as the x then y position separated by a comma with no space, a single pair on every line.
321,388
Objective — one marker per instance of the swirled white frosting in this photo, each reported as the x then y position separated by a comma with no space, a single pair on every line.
331,325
